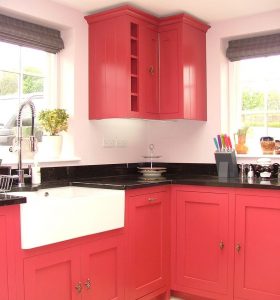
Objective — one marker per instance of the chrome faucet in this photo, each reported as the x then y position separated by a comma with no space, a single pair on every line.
32,138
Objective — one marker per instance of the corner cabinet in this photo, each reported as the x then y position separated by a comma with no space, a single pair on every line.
148,243
202,242
145,67
182,44
226,243
123,64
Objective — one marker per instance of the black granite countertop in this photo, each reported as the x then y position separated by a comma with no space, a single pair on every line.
132,182
128,182
10,200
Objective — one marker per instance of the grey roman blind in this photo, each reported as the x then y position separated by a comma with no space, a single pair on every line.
253,47
30,35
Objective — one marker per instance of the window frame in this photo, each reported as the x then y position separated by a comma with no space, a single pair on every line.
235,107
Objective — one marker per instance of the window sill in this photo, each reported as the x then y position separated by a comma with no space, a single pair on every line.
252,158
48,162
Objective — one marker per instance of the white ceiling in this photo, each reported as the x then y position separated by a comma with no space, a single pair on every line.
206,10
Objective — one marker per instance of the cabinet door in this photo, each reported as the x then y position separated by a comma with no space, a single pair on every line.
103,269
202,241
257,256
194,64
148,65
148,239
170,74
54,276
109,68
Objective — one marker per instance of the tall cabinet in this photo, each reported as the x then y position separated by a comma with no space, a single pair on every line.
141,66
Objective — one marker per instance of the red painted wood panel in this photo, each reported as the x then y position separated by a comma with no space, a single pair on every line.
103,266
4,294
202,224
257,264
53,275
148,75
109,68
194,66
148,243
170,73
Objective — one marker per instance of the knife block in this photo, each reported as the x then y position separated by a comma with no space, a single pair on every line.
226,164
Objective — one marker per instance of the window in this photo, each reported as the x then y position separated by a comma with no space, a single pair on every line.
255,99
24,72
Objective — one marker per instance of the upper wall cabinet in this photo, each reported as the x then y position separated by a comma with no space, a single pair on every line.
123,64
128,47
182,47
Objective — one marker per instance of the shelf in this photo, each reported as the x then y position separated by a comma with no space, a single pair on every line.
134,100
134,30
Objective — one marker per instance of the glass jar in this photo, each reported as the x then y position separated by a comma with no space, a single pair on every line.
277,146
267,144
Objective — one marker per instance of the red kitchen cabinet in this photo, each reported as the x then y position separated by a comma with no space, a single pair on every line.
182,68
103,269
148,248
123,64
4,290
54,275
141,66
257,247
7,253
90,271
8,243
202,243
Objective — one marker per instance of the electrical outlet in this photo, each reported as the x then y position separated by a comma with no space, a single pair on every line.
109,143
121,143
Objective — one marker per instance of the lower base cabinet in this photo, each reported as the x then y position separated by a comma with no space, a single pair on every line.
89,271
148,242
225,246
226,243
8,217
202,242
257,246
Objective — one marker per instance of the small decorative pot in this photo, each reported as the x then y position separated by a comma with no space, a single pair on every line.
51,146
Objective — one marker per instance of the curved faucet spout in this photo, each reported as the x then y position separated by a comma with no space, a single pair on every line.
31,105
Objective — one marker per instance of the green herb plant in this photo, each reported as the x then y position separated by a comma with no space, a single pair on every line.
54,121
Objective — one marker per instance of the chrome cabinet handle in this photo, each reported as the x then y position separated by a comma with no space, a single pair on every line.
152,199
237,248
79,287
221,245
88,284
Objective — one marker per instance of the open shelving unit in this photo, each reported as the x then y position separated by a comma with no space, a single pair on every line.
134,66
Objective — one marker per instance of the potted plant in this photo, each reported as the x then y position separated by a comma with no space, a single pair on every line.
53,121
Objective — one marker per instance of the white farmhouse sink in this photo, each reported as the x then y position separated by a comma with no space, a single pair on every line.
59,214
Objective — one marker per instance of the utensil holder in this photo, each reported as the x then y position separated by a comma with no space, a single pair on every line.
226,164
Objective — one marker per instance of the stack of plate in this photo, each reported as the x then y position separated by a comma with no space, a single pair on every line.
154,173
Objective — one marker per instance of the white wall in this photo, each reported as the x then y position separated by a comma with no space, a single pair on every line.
176,141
